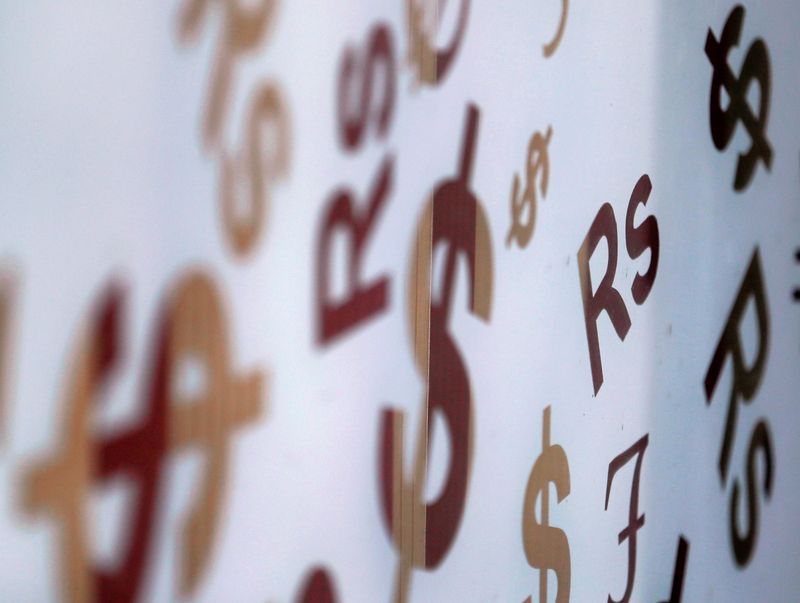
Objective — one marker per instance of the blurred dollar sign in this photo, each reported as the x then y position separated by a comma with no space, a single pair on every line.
317,588
244,27
723,122
191,328
59,486
454,219
547,547
8,292
538,160
424,18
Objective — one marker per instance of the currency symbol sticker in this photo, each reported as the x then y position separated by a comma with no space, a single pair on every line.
317,588
8,298
538,161
205,421
549,48
424,17
454,219
59,486
191,329
244,27
756,66
546,547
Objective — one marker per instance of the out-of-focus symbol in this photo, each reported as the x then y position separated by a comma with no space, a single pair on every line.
756,66
796,292
7,297
318,588
60,485
247,173
244,27
206,421
538,161
549,48
547,547
191,328
424,18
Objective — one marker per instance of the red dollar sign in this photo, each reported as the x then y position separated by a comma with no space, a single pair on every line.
61,485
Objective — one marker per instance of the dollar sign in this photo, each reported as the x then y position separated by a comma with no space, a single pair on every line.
537,159
244,27
246,176
317,588
756,66
191,326
60,485
205,421
549,48
430,63
547,547
424,532
7,298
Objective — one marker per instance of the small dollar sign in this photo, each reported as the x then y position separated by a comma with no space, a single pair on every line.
723,122
547,547
537,160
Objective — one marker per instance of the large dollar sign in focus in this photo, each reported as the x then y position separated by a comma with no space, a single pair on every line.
423,532
723,121
547,547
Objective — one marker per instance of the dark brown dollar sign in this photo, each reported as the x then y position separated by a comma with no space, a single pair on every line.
317,588
537,160
547,547
723,122
424,532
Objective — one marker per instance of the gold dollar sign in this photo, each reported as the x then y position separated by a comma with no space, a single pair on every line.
549,48
244,27
547,547
207,420
246,175
537,160
424,17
